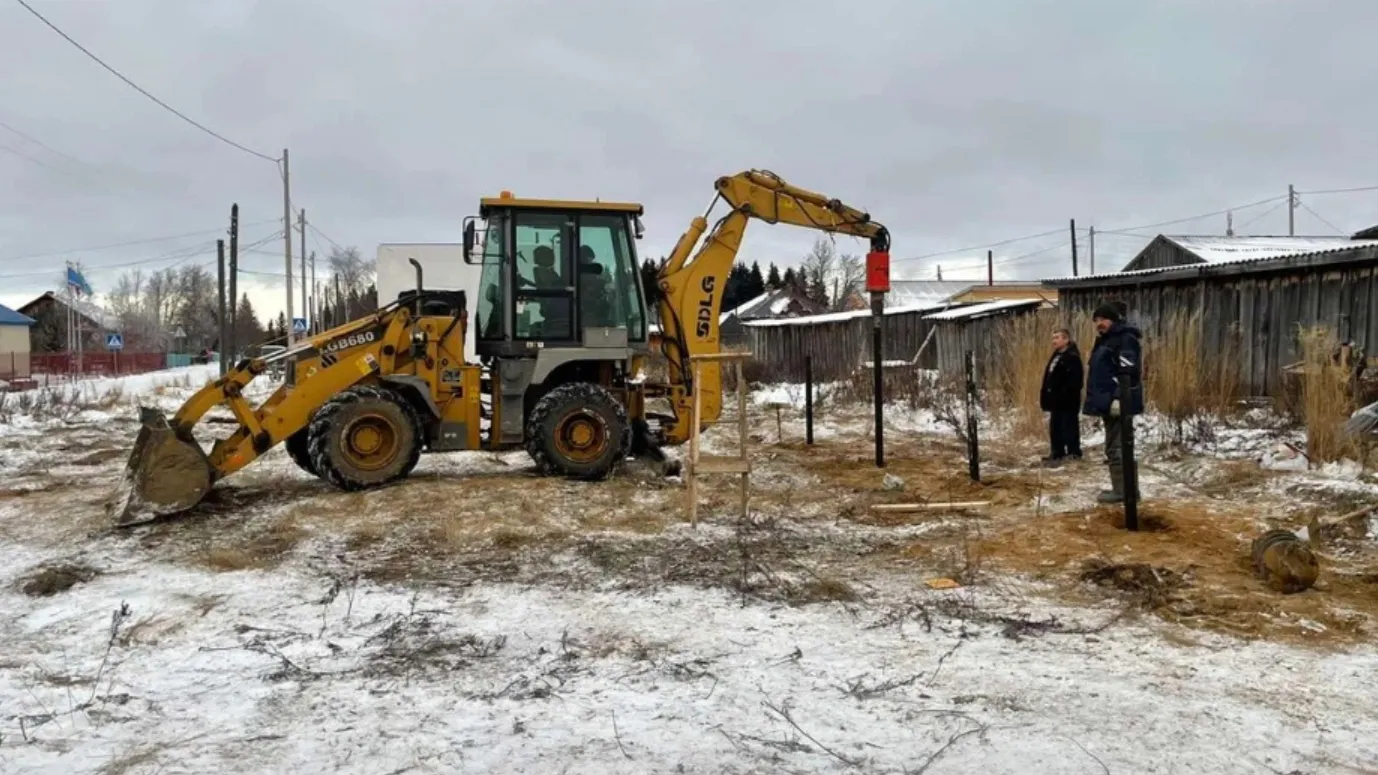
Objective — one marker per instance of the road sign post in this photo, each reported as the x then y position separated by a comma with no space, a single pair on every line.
298,326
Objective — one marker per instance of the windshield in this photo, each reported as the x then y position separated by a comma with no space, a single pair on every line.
492,281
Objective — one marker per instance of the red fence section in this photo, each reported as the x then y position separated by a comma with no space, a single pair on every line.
58,367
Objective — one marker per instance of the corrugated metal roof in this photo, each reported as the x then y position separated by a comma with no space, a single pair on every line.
910,292
837,317
1216,249
9,317
1338,247
983,309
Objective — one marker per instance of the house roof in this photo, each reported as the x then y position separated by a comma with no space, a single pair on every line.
767,305
9,317
984,309
87,309
1248,254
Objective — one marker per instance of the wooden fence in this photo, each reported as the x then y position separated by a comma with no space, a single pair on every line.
1253,317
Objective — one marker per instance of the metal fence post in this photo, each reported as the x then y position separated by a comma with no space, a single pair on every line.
1128,467
973,442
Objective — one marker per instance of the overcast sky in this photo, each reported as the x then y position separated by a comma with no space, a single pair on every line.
955,123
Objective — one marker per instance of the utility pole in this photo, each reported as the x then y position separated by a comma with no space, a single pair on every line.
990,267
305,307
339,302
234,281
224,320
315,297
291,338
1091,249
1291,211
1074,247
1229,224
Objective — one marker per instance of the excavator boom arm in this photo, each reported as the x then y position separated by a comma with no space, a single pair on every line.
692,288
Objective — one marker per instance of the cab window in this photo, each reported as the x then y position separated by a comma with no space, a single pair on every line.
492,280
609,294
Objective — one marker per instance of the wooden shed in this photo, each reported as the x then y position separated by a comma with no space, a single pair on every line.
839,342
1253,296
974,327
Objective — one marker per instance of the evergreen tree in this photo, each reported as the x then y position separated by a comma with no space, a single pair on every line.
757,284
650,275
282,327
773,279
790,280
738,282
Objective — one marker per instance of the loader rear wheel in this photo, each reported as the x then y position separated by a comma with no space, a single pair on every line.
364,437
579,430
299,449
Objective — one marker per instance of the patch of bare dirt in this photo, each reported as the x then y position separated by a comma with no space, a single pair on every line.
56,579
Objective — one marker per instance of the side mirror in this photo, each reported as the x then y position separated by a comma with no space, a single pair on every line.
470,236
637,229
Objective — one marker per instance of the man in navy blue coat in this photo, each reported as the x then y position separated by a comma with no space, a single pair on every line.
1116,353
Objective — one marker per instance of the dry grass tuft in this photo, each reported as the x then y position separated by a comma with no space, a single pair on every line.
1181,381
1326,400
261,551
823,589
1015,374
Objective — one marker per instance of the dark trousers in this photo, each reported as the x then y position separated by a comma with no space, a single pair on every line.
1064,431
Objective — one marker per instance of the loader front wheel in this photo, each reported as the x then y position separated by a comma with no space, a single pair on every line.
299,449
579,430
364,437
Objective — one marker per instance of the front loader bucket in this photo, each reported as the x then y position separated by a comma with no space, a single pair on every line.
166,474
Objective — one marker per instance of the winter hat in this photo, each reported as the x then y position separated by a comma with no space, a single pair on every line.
1108,311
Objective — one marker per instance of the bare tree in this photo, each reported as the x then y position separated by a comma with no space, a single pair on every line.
848,280
354,271
817,269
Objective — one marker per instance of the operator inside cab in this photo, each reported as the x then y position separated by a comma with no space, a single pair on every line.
596,298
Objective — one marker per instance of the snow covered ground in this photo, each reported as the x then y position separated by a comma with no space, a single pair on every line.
291,628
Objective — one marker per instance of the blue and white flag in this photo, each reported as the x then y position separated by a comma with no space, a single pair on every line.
76,281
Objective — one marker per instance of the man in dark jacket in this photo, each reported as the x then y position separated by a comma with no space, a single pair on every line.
1116,353
1060,397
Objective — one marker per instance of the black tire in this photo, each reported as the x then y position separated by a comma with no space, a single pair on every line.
299,449
561,419
335,452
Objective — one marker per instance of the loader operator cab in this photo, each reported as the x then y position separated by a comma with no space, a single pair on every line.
556,274
559,299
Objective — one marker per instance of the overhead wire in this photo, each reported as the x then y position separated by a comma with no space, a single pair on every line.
144,91
177,256
41,144
1321,218
132,243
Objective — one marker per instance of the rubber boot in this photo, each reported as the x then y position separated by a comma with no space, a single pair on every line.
1116,492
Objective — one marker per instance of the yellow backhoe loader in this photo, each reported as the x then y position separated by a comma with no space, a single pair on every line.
562,339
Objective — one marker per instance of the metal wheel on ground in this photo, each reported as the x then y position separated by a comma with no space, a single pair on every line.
578,430
364,437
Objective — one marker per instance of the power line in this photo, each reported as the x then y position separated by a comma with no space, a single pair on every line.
1321,218
42,144
1129,229
1263,214
143,91
981,247
132,243
1340,190
34,159
178,256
